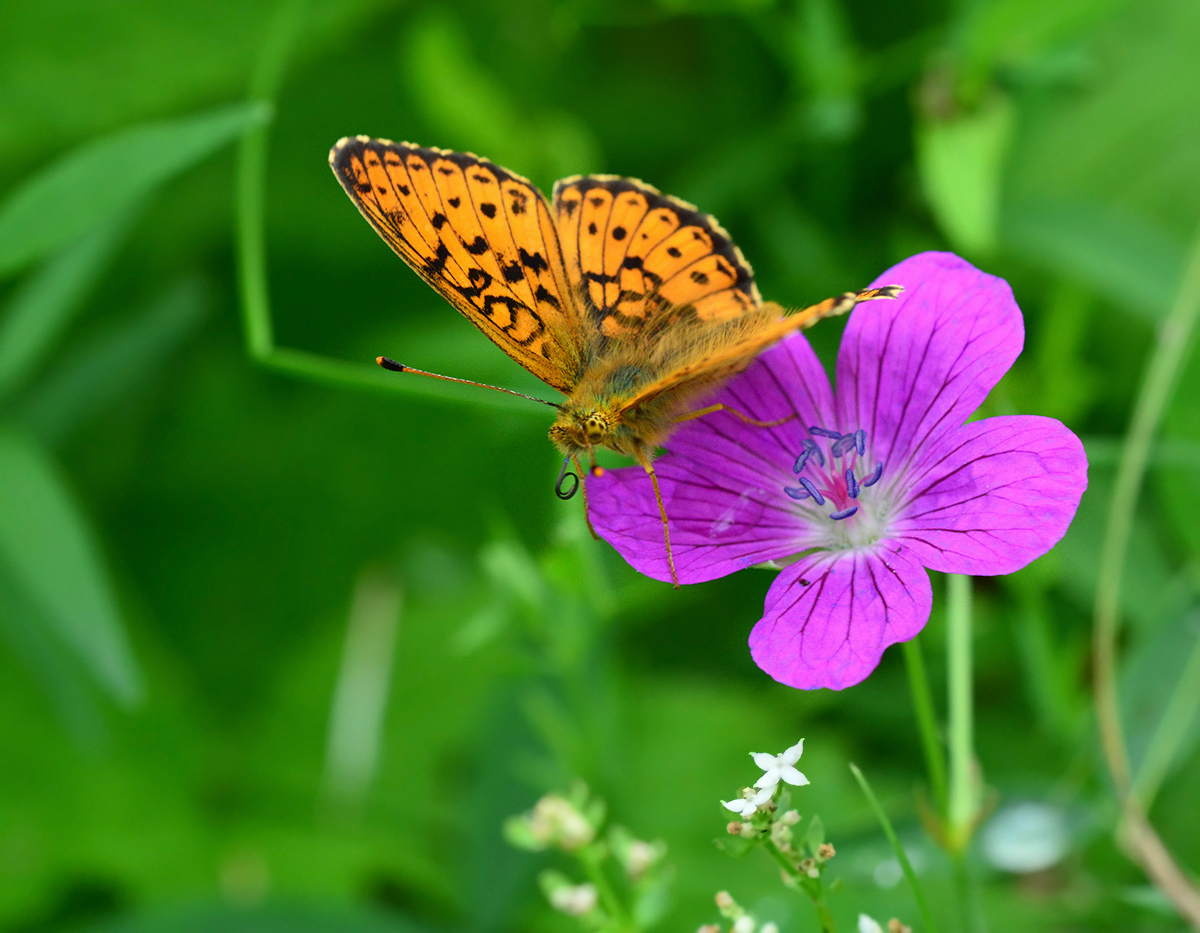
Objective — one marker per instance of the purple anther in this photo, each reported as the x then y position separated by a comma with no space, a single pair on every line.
842,444
795,492
851,484
844,513
824,432
812,490
801,461
810,447
875,474
860,441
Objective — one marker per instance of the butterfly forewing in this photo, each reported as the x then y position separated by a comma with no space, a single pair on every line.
481,236
638,253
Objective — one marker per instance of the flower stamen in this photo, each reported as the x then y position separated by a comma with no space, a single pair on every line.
837,486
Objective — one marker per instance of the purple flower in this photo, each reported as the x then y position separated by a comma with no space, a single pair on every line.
862,489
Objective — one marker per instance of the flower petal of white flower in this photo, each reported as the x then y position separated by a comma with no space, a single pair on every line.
792,776
780,767
764,760
867,925
740,806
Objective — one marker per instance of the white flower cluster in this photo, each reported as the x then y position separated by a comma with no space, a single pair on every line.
776,768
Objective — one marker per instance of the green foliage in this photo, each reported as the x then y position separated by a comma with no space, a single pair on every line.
185,535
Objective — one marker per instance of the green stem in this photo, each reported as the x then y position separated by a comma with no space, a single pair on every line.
922,699
1173,342
590,860
963,801
251,181
901,856
962,804
812,886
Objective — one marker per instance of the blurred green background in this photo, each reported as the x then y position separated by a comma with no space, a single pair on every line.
280,653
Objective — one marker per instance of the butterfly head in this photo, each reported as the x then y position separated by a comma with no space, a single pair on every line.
577,430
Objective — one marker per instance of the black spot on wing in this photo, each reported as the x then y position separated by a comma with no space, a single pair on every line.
543,295
535,260
477,247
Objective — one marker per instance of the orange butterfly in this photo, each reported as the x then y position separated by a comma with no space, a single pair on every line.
629,302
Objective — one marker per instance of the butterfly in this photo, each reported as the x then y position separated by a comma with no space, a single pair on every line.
631,303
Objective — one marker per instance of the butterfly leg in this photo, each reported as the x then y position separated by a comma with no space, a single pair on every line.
662,511
587,515
710,409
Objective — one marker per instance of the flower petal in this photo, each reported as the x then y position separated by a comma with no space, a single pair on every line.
924,362
792,776
792,755
722,481
829,617
763,760
993,495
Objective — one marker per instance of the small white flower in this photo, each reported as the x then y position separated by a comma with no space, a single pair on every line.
743,925
867,925
576,901
769,928
780,767
746,805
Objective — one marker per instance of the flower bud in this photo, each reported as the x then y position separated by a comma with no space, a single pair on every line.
825,851
577,900
555,821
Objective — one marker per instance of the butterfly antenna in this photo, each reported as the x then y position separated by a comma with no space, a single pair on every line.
388,363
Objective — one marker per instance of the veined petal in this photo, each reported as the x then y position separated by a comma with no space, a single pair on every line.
722,481
993,495
829,616
922,363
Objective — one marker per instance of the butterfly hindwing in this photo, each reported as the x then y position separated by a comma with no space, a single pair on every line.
483,237
636,252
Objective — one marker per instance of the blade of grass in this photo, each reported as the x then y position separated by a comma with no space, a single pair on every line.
48,550
901,856
1174,341
44,305
251,254
108,175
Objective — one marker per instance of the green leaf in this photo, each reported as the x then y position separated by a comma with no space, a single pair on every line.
113,364
107,175
1115,253
45,304
960,162
48,551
